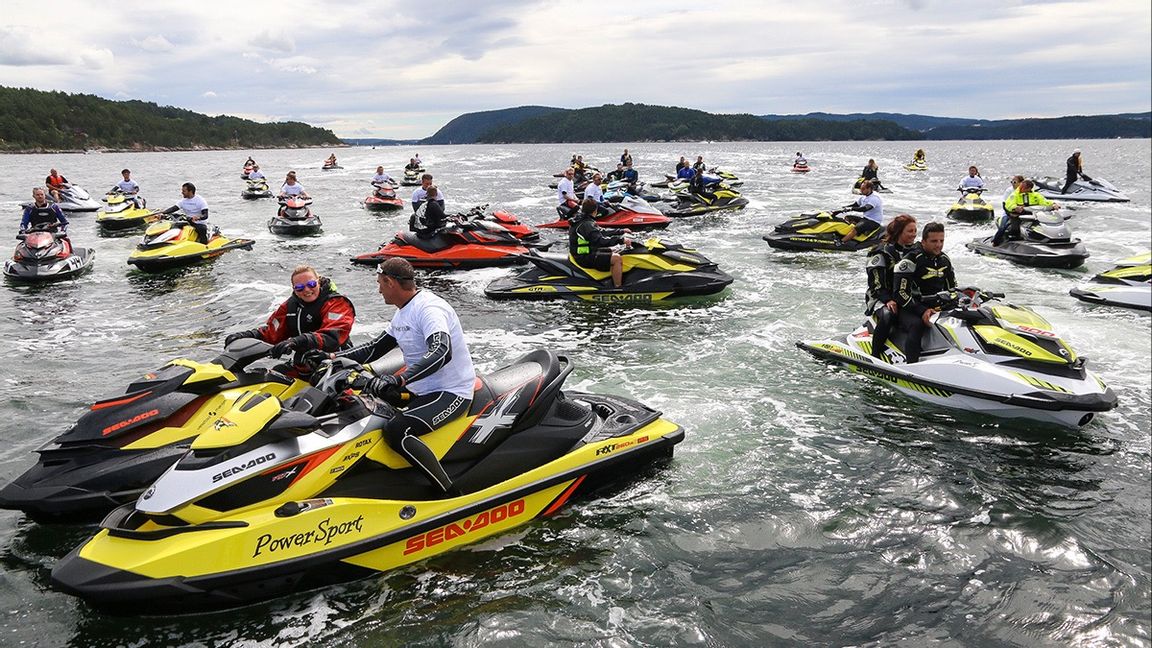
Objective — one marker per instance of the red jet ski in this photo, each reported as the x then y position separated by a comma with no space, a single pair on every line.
383,199
455,247
630,213
498,221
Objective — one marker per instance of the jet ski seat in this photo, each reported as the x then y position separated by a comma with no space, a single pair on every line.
435,244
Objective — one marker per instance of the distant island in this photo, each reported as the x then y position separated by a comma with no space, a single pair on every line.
38,121
631,122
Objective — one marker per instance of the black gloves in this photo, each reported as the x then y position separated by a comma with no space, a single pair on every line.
374,385
298,343
239,335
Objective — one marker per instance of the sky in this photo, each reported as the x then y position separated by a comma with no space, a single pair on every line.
402,69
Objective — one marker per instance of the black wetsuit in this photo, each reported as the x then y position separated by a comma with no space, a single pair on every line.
589,245
1072,173
429,219
881,290
697,186
917,278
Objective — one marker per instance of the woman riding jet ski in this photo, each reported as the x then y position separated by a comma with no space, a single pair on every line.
46,254
295,218
631,213
1045,242
124,443
276,496
971,208
124,213
1084,189
981,356
1128,285
652,271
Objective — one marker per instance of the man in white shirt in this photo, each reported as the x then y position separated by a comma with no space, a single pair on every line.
566,194
194,208
129,188
871,206
972,180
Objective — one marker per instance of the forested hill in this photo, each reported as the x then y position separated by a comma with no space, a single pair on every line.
1138,125
35,120
643,123
467,128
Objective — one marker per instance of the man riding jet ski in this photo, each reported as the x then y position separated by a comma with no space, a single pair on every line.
123,443
45,252
184,240
124,212
984,357
1042,240
1128,285
1084,189
829,232
295,218
277,496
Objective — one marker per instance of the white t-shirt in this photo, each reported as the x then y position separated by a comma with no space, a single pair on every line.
255,175
877,211
421,194
128,186
381,178
193,206
592,190
970,181
423,315
564,187
292,189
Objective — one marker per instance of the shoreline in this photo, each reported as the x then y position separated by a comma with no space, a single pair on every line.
166,149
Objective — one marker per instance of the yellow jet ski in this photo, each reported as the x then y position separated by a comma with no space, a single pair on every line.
125,213
170,244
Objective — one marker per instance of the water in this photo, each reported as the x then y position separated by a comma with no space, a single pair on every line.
805,507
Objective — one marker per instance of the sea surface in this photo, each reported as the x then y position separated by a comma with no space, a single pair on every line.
806,506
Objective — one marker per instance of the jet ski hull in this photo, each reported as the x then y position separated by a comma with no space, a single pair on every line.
819,232
1097,190
1036,255
54,269
256,195
1136,297
162,259
459,257
310,226
377,204
275,549
681,211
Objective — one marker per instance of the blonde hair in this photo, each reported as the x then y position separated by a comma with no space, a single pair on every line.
301,269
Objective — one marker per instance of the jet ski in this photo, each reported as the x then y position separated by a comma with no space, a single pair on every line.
171,244
727,177
971,208
111,454
877,186
1128,285
75,199
916,165
982,356
256,189
411,177
1047,243
801,167
459,247
383,198
480,219
1084,189
653,271
618,190
278,496
630,213
330,167
295,218
691,204
122,214
822,232
44,254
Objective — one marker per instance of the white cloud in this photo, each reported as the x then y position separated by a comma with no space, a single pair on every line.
155,44
209,95
276,41
97,59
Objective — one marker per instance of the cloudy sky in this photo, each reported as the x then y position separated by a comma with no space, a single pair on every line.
402,69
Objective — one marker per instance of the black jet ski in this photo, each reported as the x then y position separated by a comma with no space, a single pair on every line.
280,496
877,186
653,271
821,231
124,443
1128,285
1047,243
981,356
44,254
256,189
411,177
691,204
1085,189
971,207
295,218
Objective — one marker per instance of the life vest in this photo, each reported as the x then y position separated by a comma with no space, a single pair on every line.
302,317
56,182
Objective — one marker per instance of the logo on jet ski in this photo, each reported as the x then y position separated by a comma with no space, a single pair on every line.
639,297
613,447
125,423
248,465
324,533
461,529
1036,331
222,423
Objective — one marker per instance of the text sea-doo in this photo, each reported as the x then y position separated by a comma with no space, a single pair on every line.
295,218
821,231
653,271
256,189
74,199
170,244
273,499
971,207
692,204
985,357
1093,190
631,213
1047,243
122,213
46,255
124,443
1128,285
